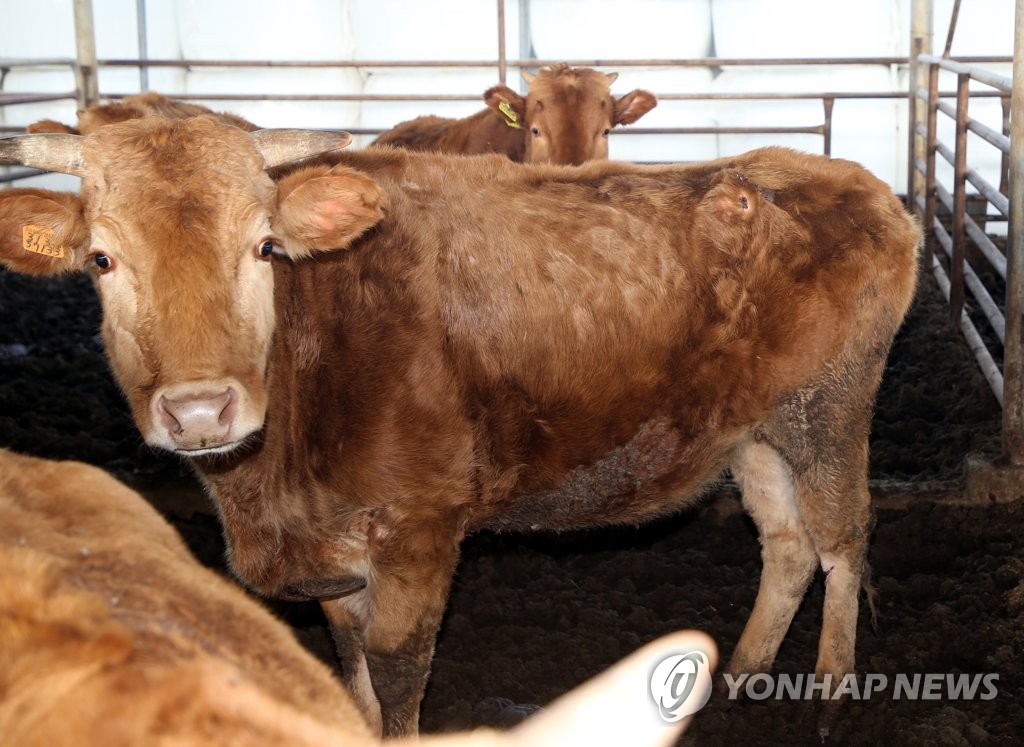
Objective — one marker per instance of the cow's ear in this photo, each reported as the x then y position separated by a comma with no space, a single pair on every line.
51,126
320,208
622,706
506,102
632,106
42,232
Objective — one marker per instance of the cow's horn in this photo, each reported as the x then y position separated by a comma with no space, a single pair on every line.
52,152
284,146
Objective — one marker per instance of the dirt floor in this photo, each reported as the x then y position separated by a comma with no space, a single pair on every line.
531,616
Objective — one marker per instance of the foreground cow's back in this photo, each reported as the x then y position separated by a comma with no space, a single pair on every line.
111,635
565,118
149,104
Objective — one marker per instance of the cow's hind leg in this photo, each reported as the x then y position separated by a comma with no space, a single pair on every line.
822,434
836,508
788,556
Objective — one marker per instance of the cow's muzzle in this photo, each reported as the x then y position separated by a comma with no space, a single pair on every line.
202,417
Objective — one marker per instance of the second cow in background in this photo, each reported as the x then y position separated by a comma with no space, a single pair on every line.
565,118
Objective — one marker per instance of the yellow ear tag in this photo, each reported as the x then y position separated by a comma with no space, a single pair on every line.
508,111
37,239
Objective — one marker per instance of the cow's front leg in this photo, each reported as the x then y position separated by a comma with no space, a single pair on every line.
347,630
385,633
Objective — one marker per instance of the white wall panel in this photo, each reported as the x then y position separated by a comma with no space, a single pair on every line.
436,30
37,29
265,29
326,114
862,130
984,27
609,29
805,28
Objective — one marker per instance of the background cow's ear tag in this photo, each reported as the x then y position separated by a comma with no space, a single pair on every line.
508,111
39,240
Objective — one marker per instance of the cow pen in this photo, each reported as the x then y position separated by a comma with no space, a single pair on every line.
531,616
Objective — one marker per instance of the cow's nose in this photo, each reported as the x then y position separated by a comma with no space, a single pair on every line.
199,420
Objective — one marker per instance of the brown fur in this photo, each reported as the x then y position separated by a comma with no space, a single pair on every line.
507,346
149,104
564,119
111,634
102,607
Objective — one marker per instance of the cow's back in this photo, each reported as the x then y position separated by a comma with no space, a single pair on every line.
612,315
483,132
101,605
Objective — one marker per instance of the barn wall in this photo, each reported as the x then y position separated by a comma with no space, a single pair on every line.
870,131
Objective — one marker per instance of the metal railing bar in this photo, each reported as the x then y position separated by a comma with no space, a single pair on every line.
534,63
20,174
985,245
980,74
998,139
41,62
11,99
922,94
981,295
997,199
988,366
794,96
995,138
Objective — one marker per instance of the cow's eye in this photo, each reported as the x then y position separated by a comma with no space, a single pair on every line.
535,131
606,132
103,262
265,249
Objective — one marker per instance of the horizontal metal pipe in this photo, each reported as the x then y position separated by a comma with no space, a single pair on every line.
527,63
998,139
10,99
38,62
782,96
986,246
981,294
980,74
15,175
984,243
922,94
709,62
986,363
998,200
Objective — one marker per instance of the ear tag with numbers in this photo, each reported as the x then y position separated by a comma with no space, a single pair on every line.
39,239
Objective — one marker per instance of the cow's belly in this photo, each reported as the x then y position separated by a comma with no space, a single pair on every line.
654,473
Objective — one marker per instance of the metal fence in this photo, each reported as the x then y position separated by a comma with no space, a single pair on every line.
979,271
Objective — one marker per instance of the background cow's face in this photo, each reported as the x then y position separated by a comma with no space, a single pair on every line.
568,113
178,222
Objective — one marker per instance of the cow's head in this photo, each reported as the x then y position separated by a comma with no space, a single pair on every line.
177,222
568,112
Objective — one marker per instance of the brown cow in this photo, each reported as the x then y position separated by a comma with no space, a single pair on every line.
446,343
565,118
132,107
112,635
